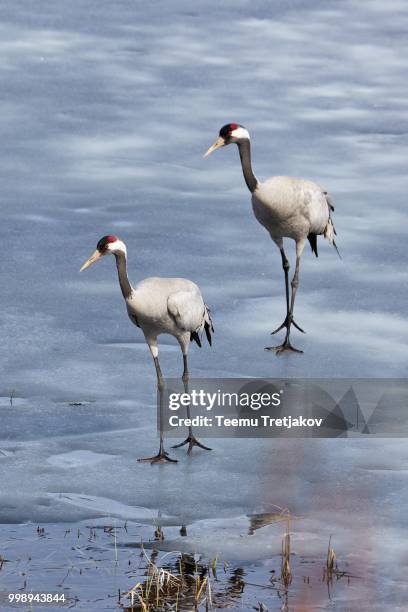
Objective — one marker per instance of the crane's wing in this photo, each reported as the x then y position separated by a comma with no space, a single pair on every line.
187,309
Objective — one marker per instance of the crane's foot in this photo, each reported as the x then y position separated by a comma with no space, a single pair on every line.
286,346
191,441
161,456
287,324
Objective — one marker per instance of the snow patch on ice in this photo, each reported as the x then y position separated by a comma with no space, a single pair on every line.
107,507
77,459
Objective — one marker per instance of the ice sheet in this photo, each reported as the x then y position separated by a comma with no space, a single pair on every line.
105,113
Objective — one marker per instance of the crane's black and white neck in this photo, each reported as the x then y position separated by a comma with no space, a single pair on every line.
111,245
238,134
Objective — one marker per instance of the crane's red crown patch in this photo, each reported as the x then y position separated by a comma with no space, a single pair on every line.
103,243
226,129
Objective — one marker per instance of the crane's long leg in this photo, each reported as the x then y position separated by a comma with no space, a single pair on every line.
160,380
286,345
161,455
286,323
191,440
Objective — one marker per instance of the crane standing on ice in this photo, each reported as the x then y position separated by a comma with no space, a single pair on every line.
160,306
288,208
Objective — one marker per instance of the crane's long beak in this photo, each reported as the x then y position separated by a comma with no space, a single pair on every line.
220,142
94,257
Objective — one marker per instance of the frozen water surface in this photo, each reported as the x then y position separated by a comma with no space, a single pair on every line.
106,110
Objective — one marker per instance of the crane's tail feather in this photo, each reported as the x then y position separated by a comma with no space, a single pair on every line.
312,238
338,252
328,200
330,233
330,230
194,336
207,333
207,326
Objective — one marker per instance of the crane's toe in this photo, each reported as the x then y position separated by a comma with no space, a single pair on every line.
287,324
191,441
298,326
162,456
286,346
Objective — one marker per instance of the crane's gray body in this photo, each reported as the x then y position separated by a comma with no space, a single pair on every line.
172,306
289,207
